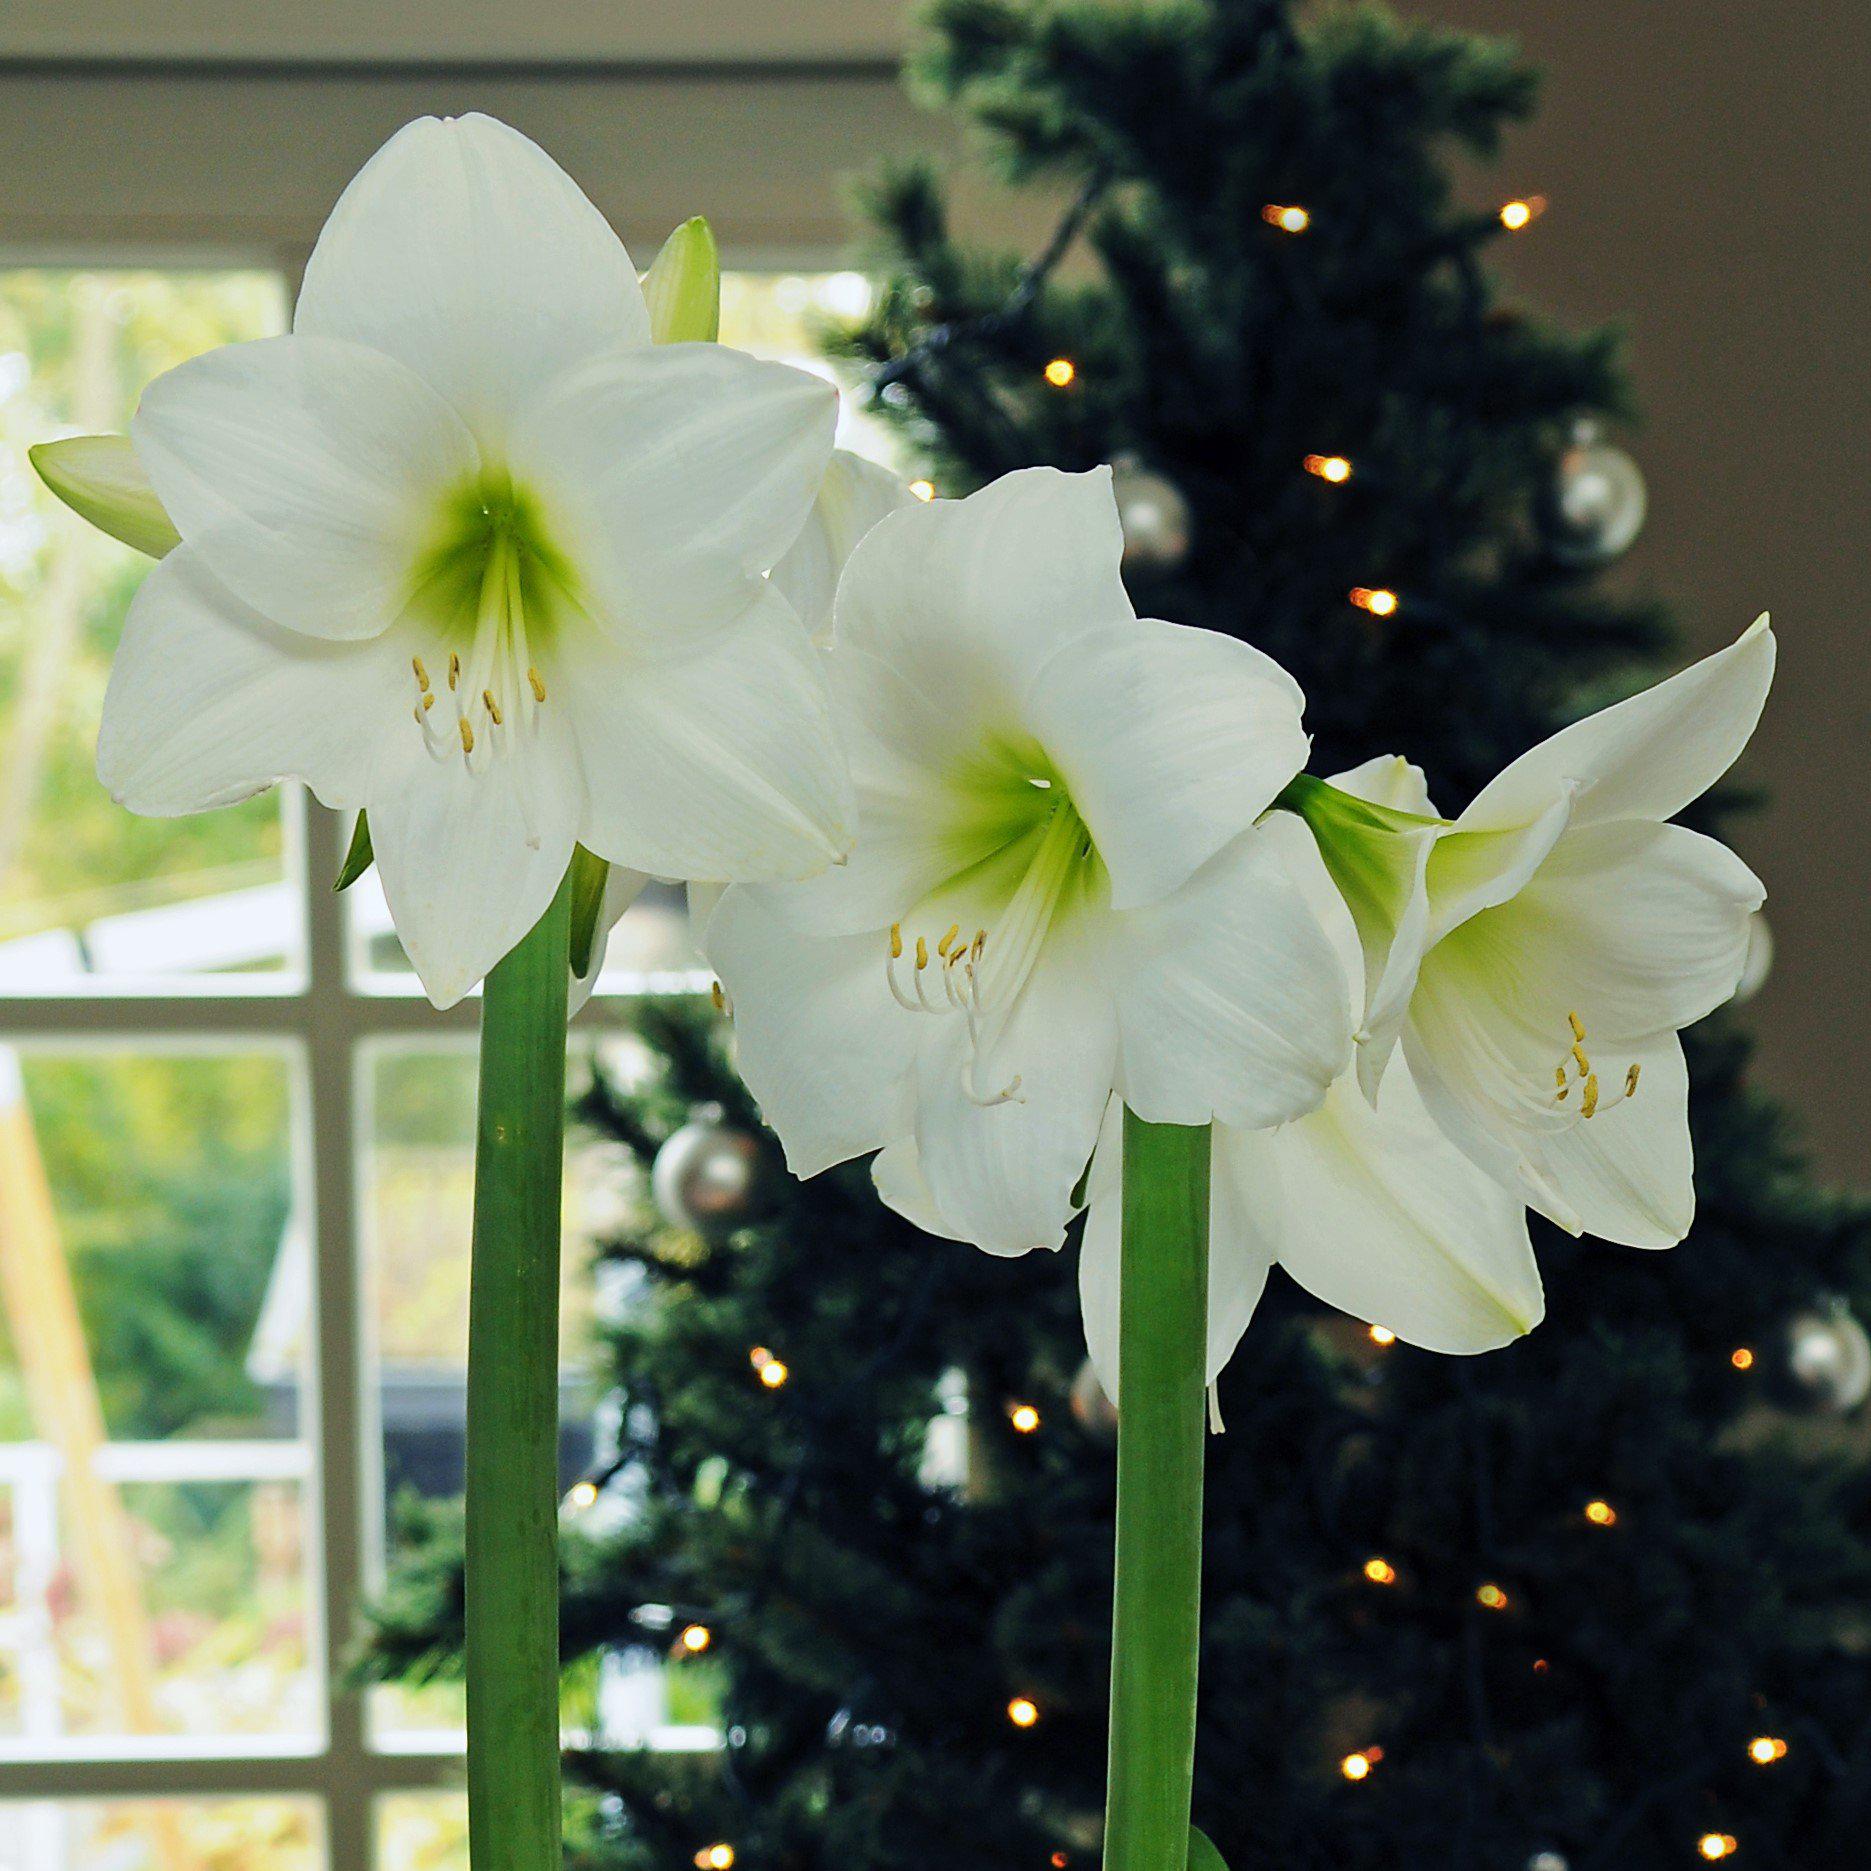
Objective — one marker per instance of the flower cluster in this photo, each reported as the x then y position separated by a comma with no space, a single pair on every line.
980,857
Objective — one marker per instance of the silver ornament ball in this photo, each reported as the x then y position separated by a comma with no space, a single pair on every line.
1547,1861
1828,1359
1596,504
1154,515
708,1175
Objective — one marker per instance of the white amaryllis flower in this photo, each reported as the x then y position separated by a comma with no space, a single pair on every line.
1541,953
852,498
1057,891
467,551
1369,1207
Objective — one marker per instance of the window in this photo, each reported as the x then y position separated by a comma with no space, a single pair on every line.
235,1170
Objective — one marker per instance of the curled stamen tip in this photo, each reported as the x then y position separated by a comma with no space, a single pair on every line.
922,953
467,736
896,941
1590,1104
1630,1080
943,947
1578,1026
422,675
1585,1065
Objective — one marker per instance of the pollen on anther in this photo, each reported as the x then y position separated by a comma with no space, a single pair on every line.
467,736
1630,1079
948,941
1590,1102
428,701
454,670
1578,1026
896,941
493,707
1559,1079
922,953
1578,1054
422,675
539,687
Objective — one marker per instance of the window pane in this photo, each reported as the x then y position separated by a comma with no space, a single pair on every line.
773,315
154,1472
418,1191
88,891
422,1832
161,1835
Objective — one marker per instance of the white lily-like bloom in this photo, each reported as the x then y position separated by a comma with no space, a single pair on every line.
1057,893
855,494
467,551
1541,953
1369,1207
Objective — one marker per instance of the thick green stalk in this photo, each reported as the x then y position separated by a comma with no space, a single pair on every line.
1162,1358
512,1581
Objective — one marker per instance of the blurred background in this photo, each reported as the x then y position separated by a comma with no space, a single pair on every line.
234,1150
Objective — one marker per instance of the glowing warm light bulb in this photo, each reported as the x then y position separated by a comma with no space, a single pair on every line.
1023,1712
1059,1861
1357,1766
1060,372
1328,467
696,1638
923,490
1741,1358
1492,1597
1601,1513
715,1858
773,1373
1382,1335
583,1494
1024,1417
1380,1572
1713,1845
1764,1750
1375,599
1517,214
1289,220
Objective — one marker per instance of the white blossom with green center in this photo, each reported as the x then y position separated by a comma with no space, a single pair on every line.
1539,954
1058,892
466,550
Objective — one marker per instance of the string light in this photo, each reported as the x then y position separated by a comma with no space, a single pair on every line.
1328,467
773,1372
1023,1417
583,1494
1023,1711
1382,1335
1380,1572
1358,1766
696,1638
715,1858
1288,220
1741,1358
1601,1513
1491,1597
1764,1750
1713,1845
923,490
1061,372
1540,1666
1060,1861
1376,599
1519,213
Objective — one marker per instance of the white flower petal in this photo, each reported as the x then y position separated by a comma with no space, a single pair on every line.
1004,1173
1380,1216
719,766
1231,1003
622,887
1171,742
969,597
822,1046
1243,1184
209,702
896,1173
673,478
463,249
853,497
1388,780
1640,928
1472,871
470,859
306,474
1647,757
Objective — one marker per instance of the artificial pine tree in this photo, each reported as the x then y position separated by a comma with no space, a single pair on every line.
1596,1601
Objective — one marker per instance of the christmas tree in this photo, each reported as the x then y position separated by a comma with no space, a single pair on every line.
1587,1602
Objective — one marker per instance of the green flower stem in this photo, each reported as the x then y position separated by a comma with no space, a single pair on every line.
512,1582
1162,1360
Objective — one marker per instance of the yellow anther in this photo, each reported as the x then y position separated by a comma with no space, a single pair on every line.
1630,1080
493,707
467,736
539,687
454,670
422,675
1559,1079
1563,1093
942,947
1578,1026
1590,1103
428,702
922,953
1584,1064
978,944
719,995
